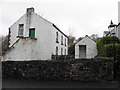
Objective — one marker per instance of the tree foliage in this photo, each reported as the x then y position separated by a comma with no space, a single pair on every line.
71,45
4,44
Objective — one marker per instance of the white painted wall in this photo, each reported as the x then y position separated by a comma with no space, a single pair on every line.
118,32
118,28
31,49
118,11
91,48
14,29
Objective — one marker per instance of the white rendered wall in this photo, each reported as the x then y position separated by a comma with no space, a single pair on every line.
118,28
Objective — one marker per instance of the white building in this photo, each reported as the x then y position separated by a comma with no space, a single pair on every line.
34,38
118,26
106,33
114,30
118,31
85,48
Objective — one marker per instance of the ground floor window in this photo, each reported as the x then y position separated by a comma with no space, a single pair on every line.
56,50
65,51
61,51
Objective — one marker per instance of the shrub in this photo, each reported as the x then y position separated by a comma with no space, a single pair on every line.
109,48
105,46
106,49
109,40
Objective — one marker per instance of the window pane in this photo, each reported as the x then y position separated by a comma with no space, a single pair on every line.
61,51
65,51
21,27
65,41
32,32
56,50
56,37
61,40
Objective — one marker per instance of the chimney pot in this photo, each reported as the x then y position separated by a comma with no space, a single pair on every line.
29,10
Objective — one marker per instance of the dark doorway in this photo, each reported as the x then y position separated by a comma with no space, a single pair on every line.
82,51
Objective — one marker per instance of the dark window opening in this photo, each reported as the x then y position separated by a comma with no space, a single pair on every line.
21,28
65,41
65,51
57,37
32,32
56,50
61,40
61,51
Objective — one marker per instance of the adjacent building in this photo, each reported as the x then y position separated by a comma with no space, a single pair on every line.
85,48
118,30
114,30
118,26
34,38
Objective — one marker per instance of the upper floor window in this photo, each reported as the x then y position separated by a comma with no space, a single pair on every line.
21,29
57,36
61,40
65,41
32,32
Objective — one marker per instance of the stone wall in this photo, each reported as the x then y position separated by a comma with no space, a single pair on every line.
99,69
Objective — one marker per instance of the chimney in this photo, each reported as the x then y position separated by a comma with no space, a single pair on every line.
29,10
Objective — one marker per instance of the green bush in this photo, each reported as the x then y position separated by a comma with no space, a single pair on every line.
109,40
109,48
106,49
101,48
105,46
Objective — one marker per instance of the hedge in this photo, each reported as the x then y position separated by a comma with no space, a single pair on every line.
106,49
109,48
99,69
104,41
109,40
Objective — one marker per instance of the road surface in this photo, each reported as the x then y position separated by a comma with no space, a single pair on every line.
10,83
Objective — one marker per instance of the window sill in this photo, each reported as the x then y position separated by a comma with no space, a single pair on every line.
32,38
20,37
26,37
57,42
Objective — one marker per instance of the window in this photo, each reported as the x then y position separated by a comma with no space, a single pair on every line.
65,41
32,32
61,51
57,37
56,50
61,40
65,51
21,28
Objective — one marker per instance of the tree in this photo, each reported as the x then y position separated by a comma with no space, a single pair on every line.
4,44
71,45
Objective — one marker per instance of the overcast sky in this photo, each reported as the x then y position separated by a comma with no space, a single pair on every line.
76,17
